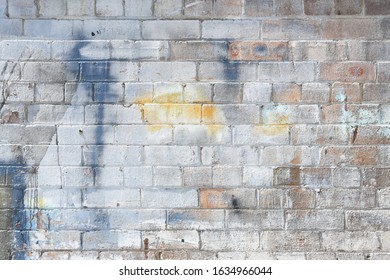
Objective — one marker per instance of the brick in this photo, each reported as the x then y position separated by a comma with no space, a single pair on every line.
138,93
384,198
52,72
377,7
376,92
78,93
3,6
77,177
353,114
351,29
227,176
230,155
227,198
227,8
173,239
368,220
231,256
197,93
286,93
166,176
319,50
168,93
24,50
288,8
169,29
227,93
172,113
10,27
197,177
49,176
69,155
54,240
201,135
21,92
319,135
111,155
75,8
287,176
171,155
346,199
30,135
56,114
139,50
48,8
158,71
227,71
290,29
315,93
87,50
109,8
167,10
257,176
257,93
289,155
135,8
215,240
10,71
113,114
202,51
255,219
141,134
230,29
79,135
383,72
258,8
40,155
230,114
316,7
321,256
22,8
136,219
6,220
49,93
290,114
109,177
48,29
258,51
109,71
385,23
346,92
53,198
104,240
121,29
315,220
295,198
372,135
346,177
287,72
317,177
93,198
376,177
138,176
350,241
332,156
199,9
354,7
385,240
162,198
195,219
289,241
347,71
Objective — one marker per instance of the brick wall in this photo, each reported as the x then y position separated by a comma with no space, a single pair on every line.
186,129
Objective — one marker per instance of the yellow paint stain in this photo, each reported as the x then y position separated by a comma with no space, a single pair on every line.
144,100
41,202
212,114
272,130
170,97
215,131
155,128
172,113
275,118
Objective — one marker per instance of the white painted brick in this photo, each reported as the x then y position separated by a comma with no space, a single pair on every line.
197,93
76,177
230,155
229,176
139,50
143,134
171,155
49,93
40,155
162,198
169,29
49,29
49,176
22,8
81,135
24,50
290,155
78,93
109,8
287,72
53,198
80,50
135,8
216,240
48,8
286,114
113,114
21,92
258,93
69,155
138,93
166,176
197,176
201,135
104,240
113,29
261,134
218,71
56,114
173,239
195,219
136,177
109,71
168,93
230,29
108,155
109,177
167,71
54,240
257,176
50,72
106,198
137,219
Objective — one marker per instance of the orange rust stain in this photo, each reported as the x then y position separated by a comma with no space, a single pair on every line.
212,198
209,113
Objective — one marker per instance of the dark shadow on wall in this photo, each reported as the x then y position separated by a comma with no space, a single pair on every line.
19,180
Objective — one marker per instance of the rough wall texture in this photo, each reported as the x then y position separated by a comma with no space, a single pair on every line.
189,129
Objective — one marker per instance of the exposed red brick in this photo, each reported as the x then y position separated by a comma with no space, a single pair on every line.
258,51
